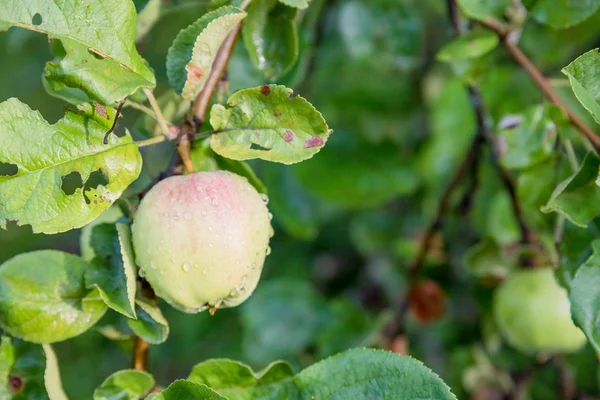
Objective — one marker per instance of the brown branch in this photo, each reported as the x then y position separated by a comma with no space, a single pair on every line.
141,350
219,67
540,80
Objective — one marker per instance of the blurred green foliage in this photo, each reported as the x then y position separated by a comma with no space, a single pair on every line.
348,221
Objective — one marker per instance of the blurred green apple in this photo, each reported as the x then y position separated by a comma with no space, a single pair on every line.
533,313
201,239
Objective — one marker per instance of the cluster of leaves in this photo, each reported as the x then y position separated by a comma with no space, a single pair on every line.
348,221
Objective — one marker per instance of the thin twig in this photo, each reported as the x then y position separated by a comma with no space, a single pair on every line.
184,150
151,141
141,108
541,81
117,114
160,118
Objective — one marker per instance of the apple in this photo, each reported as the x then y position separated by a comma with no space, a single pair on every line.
533,313
201,239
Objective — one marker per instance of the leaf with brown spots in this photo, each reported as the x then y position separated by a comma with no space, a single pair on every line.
290,127
191,55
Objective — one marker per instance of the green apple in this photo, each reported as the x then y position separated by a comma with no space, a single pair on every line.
533,313
201,239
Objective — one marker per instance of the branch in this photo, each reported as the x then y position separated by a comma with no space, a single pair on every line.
542,83
218,69
141,350
160,118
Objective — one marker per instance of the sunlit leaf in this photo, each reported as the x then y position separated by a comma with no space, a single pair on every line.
98,38
270,123
182,389
45,155
43,298
127,384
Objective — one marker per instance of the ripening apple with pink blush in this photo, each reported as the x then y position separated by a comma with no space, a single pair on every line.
201,239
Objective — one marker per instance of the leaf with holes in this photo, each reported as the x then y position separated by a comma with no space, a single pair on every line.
28,371
191,55
271,37
561,14
584,77
114,276
106,29
127,384
150,324
182,389
47,156
43,298
578,197
268,122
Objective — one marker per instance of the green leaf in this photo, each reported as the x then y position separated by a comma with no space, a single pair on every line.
190,57
101,79
150,324
24,370
267,338
45,154
585,298
271,37
105,28
578,197
561,14
86,245
52,380
204,159
43,298
530,142
268,122
584,77
354,374
473,44
115,275
186,390
234,379
127,384
300,4
481,9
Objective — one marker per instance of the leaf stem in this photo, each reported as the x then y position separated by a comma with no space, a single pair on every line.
151,141
540,80
162,122
141,108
